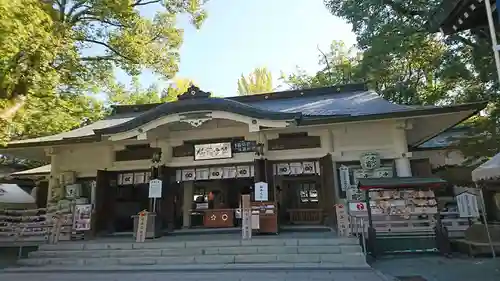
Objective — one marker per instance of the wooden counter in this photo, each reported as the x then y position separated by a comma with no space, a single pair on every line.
218,218
268,217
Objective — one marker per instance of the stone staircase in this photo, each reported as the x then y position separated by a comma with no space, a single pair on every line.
268,252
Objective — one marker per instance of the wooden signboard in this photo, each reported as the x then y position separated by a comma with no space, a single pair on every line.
82,217
142,227
246,225
342,220
467,205
56,229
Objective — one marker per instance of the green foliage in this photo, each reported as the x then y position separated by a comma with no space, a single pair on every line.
38,117
258,82
340,65
175,89
54,53
135,94
408,65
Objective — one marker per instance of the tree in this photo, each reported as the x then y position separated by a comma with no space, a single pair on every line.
340,65
49,115
258,82
409,65
118,93
60,47
27,47
178,87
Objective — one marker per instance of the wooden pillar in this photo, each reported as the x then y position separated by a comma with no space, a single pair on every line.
54,193
99,216
188,189
327,199
167,202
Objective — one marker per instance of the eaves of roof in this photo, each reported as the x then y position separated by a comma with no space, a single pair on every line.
206,104
317,120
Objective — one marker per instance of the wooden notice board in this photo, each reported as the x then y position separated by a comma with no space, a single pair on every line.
246,225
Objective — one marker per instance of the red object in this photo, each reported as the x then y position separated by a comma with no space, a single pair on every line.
360,206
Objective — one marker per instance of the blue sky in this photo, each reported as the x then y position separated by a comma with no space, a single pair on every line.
240,35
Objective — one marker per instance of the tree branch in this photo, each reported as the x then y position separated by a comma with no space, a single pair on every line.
77,16
90,18
140,3
116,52
327,63
76,6
98,58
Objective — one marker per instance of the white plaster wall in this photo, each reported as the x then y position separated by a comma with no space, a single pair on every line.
346,142
351,140
85,159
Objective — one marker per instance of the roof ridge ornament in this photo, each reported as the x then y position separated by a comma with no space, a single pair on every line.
194,92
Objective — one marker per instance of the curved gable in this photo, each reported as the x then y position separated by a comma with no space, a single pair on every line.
195,100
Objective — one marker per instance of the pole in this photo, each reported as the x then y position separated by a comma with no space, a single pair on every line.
493,254
493,35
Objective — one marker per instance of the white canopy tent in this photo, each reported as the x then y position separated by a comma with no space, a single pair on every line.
13,194
488,170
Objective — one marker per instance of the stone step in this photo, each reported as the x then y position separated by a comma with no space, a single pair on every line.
165,244
231,250
348,259
187,268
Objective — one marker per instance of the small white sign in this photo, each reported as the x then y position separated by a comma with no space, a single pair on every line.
155,187
261,191
467,205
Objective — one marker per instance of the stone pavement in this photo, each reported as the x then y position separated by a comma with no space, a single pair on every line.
437,268
295,275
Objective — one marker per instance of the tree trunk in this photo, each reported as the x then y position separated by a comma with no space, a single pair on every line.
12,108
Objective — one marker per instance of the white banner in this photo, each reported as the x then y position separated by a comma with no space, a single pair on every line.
261,192
345,180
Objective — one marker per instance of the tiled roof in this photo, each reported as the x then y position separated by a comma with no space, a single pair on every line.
342,103
348,103
85,131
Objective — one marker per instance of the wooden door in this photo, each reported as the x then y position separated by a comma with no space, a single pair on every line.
104,209
42,191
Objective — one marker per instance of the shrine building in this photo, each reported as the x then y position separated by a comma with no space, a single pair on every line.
208,151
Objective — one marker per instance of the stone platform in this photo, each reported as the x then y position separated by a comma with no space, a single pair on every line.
203,252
